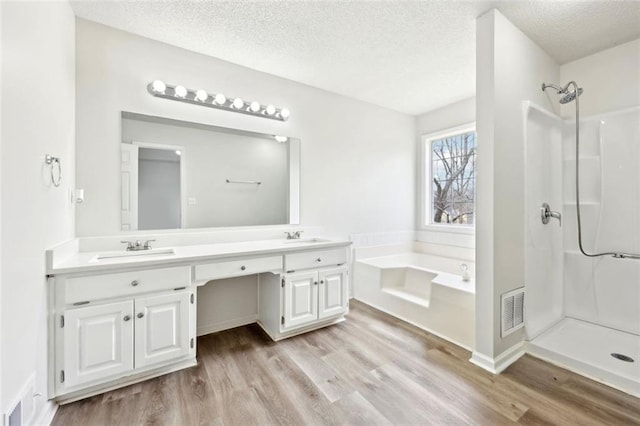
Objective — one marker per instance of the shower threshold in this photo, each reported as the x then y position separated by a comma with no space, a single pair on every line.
587,349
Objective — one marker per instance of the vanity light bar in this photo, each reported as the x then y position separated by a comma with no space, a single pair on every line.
201,97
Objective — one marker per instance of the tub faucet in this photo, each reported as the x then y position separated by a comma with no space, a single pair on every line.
293,235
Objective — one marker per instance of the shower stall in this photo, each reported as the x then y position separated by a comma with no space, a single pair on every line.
582,273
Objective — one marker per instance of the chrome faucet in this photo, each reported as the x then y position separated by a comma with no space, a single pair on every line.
293,235
546,214
137,245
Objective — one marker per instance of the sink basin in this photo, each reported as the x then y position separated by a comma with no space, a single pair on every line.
116,254
306,241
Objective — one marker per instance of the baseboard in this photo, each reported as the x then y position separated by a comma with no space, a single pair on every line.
500,363
226,325
46,414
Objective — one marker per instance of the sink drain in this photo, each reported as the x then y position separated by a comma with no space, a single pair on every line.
622,357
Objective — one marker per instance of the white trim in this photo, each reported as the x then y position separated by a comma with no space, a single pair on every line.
425,168
183,173
500,363
47,413
226,325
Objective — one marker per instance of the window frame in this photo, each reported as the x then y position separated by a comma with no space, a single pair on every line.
426,189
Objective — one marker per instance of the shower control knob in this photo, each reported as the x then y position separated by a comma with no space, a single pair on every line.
546,214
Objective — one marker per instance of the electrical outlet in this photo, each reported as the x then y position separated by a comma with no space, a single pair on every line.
191,201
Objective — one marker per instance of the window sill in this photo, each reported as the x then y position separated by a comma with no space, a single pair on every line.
450,229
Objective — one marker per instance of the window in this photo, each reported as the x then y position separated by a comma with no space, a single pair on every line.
450,178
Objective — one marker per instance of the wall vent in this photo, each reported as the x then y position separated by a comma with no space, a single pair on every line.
512,311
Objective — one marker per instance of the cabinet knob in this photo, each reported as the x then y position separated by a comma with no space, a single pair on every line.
242,268
141,314
315,283
321,281
318,260
126,318
134,283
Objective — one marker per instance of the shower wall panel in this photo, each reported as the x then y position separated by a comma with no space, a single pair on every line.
603,290
543,184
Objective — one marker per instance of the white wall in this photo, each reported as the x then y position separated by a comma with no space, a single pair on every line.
38,90
610,79
357,160
510,69
604,290
210,158
158,194
453,115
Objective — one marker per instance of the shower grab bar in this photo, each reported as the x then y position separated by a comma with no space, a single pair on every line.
251,182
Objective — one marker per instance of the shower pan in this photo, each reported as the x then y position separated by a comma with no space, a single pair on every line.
582,280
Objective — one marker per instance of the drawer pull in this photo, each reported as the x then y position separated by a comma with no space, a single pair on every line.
126,318
242,268
318,260
134,283
85,302
141,314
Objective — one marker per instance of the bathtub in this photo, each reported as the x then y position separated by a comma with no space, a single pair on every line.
422,289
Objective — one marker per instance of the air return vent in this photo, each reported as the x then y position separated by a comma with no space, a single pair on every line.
512,311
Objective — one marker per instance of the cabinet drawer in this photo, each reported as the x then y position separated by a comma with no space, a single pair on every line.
96,287
314,259
237,268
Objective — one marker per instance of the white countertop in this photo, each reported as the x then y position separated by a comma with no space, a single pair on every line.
86,262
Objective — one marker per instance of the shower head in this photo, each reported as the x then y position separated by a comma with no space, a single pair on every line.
569,96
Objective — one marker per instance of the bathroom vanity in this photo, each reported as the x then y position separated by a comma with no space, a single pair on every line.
116,318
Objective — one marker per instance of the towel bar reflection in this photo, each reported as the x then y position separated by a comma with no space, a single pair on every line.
251,182
56,177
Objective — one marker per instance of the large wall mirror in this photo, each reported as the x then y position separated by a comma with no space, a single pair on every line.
177,174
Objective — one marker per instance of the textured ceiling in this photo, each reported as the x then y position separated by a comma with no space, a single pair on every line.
410,56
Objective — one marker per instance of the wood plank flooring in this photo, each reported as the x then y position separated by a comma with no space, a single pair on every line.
370,369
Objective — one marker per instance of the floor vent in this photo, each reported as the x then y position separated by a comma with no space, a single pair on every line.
512,311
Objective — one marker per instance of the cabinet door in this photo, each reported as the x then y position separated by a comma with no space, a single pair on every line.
98,342
300,299
332,292
162,328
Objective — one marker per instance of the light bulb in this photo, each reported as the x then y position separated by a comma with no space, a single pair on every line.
158,86
255,106
181,91
285,113
270,110
220,99
201,95
238,103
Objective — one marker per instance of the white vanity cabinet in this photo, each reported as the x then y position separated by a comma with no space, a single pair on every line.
110,328
312,293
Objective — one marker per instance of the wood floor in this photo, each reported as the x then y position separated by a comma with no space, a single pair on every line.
370,369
